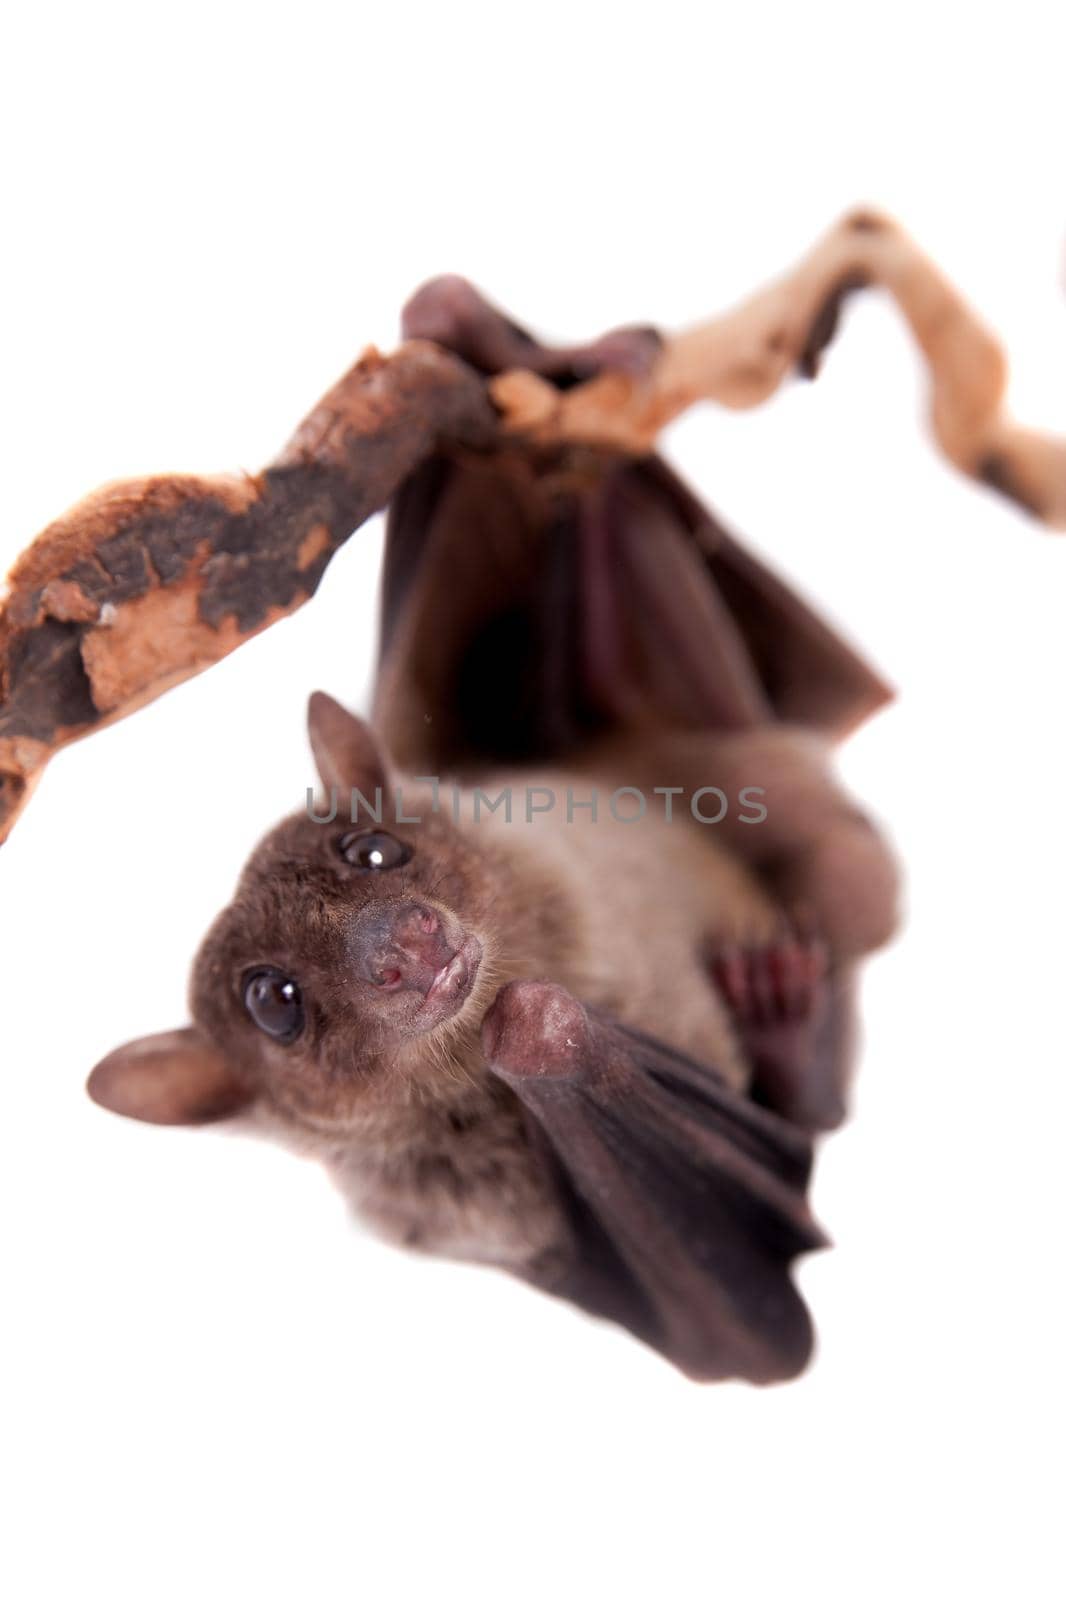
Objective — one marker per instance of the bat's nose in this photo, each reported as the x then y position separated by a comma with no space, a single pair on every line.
402,946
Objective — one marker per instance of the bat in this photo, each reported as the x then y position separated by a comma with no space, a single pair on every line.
589,1047
580,1045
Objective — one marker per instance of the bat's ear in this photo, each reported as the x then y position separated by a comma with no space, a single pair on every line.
346,752
176,1077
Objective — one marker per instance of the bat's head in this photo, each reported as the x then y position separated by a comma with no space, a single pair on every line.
354,963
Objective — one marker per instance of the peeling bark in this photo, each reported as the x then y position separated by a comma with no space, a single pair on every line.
740,359
147,582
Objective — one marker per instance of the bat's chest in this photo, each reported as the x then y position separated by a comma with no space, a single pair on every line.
462,1182
653,898
645,904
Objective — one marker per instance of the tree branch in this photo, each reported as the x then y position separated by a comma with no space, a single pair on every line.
149,581
740,358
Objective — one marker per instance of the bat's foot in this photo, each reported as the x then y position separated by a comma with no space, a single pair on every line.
779,995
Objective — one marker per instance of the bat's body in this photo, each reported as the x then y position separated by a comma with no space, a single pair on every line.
591,1051
645,899
390,987
624,915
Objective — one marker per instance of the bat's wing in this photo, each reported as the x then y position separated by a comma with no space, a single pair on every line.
536,598
686,1202
809,673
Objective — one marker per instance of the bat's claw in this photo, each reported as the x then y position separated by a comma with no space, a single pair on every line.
535,1029
780,983
779,996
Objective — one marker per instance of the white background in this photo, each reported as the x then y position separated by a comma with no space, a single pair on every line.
212,1384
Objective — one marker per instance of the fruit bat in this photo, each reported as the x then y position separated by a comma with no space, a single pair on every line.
587,1047
558,975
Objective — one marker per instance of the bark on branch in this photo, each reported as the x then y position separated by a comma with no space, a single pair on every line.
740,358
148,581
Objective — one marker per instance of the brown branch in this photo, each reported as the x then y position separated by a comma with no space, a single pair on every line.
740,358
147,582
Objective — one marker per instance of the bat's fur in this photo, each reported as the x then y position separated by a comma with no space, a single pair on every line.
427,1144
644,993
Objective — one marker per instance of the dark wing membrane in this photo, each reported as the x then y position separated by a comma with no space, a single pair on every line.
534,599
481,626
530,606
807,671
686,1202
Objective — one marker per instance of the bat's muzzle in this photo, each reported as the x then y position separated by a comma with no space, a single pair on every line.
410,948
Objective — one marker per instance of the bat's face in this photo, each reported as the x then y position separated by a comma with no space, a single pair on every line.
348,955
352,968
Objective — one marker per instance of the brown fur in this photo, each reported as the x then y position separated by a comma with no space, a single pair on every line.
386,1080
429,1148
427,1145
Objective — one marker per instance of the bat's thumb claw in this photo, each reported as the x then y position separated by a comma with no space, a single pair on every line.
535,1029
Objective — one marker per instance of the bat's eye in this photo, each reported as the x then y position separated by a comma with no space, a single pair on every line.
375,852
274,1003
